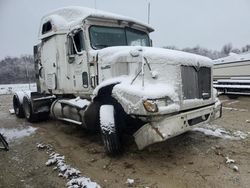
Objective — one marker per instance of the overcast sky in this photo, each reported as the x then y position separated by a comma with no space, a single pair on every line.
182,23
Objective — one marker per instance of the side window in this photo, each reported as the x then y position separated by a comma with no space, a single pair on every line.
76,44
46,27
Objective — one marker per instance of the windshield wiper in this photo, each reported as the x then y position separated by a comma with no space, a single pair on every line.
147,64
142,71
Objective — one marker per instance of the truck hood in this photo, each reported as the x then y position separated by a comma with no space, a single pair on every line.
121,54
163,81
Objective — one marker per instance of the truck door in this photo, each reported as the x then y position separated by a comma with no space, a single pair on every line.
78,61
49,55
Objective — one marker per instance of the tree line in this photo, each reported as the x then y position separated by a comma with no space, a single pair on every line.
21,69
213,54
17,70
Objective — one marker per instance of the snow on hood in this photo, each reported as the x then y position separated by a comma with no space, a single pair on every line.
123,83
152,91
112,55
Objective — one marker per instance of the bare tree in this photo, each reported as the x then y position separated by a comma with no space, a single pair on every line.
227,48
14,70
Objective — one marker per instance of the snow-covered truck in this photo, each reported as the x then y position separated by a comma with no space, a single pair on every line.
99,70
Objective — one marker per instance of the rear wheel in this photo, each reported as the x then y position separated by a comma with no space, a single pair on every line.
18,107
28,112
109,130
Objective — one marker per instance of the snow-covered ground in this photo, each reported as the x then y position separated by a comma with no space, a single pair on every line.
11,88
74,179
12,134
213,130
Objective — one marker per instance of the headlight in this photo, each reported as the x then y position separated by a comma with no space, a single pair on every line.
150,106
153,105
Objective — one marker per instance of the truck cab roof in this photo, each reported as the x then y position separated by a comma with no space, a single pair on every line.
64,19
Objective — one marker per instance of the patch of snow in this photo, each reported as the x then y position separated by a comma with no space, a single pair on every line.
216,133
23,93
110,81
12,111
130,181
135,52
240,134
233,58
41,146
149,90
82,182
107,118
75,180
157,55
154,74
228,161
220,132
131,96
235,109
78,102
67,17
13,88
13,134
235,168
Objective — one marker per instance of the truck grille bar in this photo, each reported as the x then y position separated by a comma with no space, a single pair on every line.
196,82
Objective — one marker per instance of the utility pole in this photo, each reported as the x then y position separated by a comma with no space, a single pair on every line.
148,12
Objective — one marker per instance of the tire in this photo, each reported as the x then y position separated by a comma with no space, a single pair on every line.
28,111
4,142
109,131
18,107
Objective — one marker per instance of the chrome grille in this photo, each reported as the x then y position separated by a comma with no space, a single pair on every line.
196,82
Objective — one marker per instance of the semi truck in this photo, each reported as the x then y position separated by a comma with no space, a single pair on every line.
99,70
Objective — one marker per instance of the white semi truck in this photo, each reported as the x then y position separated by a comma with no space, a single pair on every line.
99,70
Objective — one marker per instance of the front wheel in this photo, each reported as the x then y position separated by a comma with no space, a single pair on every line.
109,131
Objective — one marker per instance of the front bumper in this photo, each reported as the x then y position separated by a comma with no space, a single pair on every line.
158,131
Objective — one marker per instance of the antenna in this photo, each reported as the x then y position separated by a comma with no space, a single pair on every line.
148,12
95,3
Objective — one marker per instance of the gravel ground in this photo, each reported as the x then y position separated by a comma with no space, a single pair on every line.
189,160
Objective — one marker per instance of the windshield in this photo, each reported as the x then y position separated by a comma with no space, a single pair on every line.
101,37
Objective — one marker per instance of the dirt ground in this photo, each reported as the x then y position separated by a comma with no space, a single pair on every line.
189,160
